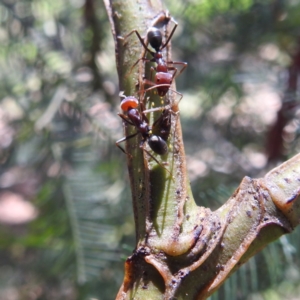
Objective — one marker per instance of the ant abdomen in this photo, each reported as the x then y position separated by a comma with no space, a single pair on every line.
158,145
155,38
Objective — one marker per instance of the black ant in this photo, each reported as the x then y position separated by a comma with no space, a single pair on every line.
163,77
138,119
162,127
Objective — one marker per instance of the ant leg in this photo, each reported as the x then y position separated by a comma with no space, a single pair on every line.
181,96
171,34
146,81
123,140
142,146
161,108
157,86
125,119
143,44
142,90
139,37
175,71
143,59
182,64
154,85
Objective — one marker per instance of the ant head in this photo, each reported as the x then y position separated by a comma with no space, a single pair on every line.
129,102
163,82
155,38
163,78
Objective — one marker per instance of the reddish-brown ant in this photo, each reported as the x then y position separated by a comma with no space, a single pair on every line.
138,119
163,77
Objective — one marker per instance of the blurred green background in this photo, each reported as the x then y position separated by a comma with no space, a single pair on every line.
66,223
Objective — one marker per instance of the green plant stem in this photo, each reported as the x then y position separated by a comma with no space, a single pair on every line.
184,251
